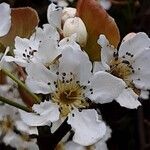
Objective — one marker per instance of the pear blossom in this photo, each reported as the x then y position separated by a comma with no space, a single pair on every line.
69,87
13,131
5,19
130,63
42,47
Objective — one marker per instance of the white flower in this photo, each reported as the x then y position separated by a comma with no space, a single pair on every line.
20,142
130,63
69,88
5,19
13,131
42,47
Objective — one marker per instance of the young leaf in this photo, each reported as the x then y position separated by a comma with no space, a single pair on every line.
24,20
97,21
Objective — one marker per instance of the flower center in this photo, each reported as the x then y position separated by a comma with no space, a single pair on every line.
7,123
123,69
28,54
69,95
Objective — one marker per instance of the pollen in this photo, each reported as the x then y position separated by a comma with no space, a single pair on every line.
7,124
123,69
69,95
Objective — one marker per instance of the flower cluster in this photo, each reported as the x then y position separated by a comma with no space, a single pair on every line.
53,65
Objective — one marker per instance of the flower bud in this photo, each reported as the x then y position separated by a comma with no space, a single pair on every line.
75,25
68,13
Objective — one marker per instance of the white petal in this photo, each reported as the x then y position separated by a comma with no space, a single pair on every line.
62,3
106,87
39,78
134,45
21,126
88,128
128,99
77,62
106,4
107,51
70,41
19,60
46,112
54,15
74,146
48,109
5,19
144,95
23,48
47,52
101,146
47,32
97,66
141,75
21,44
30,145
12,139
107,134
128,36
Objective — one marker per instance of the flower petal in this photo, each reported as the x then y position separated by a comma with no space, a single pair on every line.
21,126
74,146
106,87
134,46
5,19
88,128
141,75
47,52
107,51
40,79
54,13
128,99
48,31
77,62
144,95
45,113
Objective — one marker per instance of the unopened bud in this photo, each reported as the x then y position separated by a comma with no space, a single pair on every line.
76,25
67,13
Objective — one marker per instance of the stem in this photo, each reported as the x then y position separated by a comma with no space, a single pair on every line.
12,103
21,84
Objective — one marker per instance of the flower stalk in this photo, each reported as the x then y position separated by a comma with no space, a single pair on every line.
12,103
21,84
